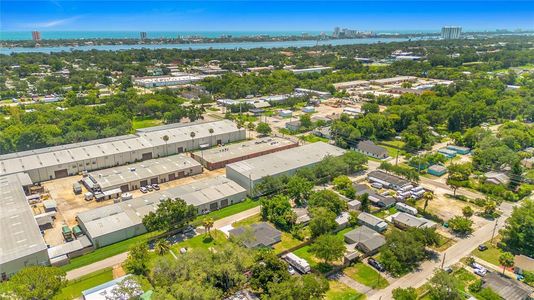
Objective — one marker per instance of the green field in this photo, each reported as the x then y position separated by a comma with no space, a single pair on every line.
75,288
228,211
311,138
107,251
366,275
287,242
491,255
202,241
315,263
143,122
339,291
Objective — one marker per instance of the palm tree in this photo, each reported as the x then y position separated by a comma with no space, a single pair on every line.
192,135
208,225
162,247
427,196
506,259
166,139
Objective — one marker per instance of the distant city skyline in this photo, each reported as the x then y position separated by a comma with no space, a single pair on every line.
58,15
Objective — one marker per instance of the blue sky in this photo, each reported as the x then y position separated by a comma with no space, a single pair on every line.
62,15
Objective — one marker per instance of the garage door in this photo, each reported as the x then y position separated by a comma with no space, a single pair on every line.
180,149
172,176
214,206
224,202
61,173
154,180
147,156
181,174
124,188
144,183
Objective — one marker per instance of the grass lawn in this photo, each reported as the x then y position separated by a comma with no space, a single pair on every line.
444,244
394,143
386,212
202,241
491,255
75,288
107,251
229,210
142,122
392,152
339,291
366,275
312,138
248,221
530,174
314,262
288,242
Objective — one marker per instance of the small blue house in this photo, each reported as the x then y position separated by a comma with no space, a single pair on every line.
437,170
447,152
459,149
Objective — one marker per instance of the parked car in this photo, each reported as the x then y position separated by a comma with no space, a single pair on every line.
155,186
375,264
480,272
291,270
475,265
448,270
482,247
149,188
143,189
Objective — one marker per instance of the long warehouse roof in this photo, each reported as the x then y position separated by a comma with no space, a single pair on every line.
142,140
286,160
237,150
19,232
142,170
114,217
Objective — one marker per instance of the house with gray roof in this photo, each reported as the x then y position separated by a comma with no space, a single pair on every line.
256,235
365,239
372,222
387,180
405,221
371,149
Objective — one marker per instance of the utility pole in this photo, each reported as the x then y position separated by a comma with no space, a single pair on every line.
397,158
443,260
494,229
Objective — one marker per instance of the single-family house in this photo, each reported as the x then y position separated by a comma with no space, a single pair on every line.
365,239
372,222
256,235
437,170
497,178
371,149
405,221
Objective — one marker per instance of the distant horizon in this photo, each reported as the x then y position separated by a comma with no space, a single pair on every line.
261,16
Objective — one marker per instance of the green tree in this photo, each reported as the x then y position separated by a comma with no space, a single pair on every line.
170,214
162,247
427,196
518,233
138,258
263,128
277,210
268,268
402,252
364,201
35,282
342,182
305,121
444,286
329,200
322,221
306,287
467,211
208,224
405,294
299,188
328,248
461,225
506,259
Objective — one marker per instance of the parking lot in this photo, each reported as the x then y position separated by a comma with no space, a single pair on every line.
69,205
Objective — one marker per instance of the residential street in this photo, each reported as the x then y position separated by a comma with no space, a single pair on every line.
452,255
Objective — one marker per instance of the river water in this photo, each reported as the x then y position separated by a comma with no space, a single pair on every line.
240,45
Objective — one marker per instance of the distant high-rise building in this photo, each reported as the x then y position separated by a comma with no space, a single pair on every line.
451,32
143,35
36,36
336,32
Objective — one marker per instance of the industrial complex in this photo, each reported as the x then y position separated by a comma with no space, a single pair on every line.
250,172
219,157
113,223
134,176
62,161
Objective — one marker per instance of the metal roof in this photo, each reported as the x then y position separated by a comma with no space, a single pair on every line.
114,217
144,139
112,177
237,150
284,161
19,232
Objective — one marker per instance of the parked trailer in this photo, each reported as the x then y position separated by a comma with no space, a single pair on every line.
298,263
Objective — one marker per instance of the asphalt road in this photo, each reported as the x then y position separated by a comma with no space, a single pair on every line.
452,255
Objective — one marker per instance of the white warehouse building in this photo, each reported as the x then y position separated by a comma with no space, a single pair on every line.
120,221
21,242
65,160
248,173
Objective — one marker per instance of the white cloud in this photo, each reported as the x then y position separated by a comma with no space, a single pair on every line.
54,23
